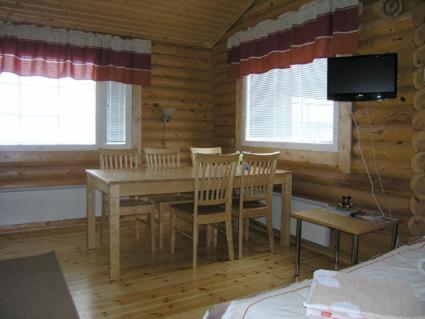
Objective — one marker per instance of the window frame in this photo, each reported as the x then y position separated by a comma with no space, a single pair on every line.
288,145
100,127
340,159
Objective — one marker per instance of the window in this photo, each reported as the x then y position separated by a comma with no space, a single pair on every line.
288,108
63,113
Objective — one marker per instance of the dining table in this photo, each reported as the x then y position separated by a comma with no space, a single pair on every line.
117,183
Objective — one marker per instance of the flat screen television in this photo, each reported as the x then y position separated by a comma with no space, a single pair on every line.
362,77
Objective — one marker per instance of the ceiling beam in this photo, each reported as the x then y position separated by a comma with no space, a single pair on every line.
248,4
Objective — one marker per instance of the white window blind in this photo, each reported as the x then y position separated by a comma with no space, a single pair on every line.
38,111
289,106
117,113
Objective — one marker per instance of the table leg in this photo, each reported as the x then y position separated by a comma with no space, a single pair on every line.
394,240
298,248
285,221
355,250
114,232
337,235
91,216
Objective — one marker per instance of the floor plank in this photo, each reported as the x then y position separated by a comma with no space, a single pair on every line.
159,285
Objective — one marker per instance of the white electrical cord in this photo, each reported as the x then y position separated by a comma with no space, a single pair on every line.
375,162
365,165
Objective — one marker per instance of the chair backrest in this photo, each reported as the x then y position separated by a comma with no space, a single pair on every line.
257,171
118,158
203,150
214,176
162,157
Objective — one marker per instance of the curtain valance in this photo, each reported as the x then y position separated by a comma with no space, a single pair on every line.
56,53
322,28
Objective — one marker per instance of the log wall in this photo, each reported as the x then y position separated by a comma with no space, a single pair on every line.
181,78
391,120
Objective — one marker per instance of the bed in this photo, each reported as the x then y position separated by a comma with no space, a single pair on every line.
405,263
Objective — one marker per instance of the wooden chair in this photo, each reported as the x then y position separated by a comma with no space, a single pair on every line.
165,158
162,157
122,159
214,176
255,196
211,230
203,150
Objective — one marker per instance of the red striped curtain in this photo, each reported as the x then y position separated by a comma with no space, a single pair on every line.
319,29
29,50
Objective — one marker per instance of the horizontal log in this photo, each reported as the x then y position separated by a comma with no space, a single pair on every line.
418,121
44,171
361,199
195,126
191,105
390,42
417,207
379,27
174,93
385,132
175,135
419,35
418,141
322,175
179,51
187,63
418,79
226,98
419,99
179,73
417,184
54,158
385,168
226,109
385,151
419,57
42,182
393,114
190,84
416,225
418,15
418,162
186,115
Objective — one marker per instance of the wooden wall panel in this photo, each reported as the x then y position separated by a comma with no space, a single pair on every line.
391,121
181,78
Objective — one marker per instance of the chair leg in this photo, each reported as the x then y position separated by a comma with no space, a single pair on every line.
229,237
240,236
215,233
195,246
152,227
172,231
161,226
246,229
270,232
137,232
209,235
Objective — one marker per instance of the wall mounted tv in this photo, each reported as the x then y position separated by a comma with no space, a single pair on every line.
362,77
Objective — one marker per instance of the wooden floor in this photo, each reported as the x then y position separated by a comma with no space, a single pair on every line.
159,285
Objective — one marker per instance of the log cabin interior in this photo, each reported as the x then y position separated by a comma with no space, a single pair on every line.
109,209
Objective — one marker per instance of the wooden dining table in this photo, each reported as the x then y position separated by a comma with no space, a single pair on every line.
143,182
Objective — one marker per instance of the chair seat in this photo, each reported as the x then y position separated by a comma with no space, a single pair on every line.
202,210
172,198
249,205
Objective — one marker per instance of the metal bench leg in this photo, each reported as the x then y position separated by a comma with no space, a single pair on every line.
298,248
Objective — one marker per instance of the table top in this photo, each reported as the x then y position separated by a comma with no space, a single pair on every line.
348,224
131,175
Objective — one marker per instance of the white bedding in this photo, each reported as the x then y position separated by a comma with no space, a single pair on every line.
406,263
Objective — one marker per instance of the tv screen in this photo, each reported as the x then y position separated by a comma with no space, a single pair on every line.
362,77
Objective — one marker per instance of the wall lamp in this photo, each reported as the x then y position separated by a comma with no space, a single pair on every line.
167,114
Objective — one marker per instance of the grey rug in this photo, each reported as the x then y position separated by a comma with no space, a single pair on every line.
34,287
